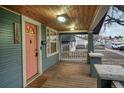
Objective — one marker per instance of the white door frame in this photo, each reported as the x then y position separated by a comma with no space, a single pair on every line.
26,19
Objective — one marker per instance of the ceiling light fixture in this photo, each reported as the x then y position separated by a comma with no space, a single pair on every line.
73,26
72,29
61,18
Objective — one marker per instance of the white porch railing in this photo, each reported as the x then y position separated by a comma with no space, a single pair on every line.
78,55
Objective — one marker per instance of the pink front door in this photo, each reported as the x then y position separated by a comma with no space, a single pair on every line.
31,50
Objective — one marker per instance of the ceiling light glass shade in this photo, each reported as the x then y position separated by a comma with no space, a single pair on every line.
61,19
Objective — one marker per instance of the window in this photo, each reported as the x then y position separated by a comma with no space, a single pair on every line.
52,41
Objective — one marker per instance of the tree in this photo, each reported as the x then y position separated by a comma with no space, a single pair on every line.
116,37
114,15
120,37
110,37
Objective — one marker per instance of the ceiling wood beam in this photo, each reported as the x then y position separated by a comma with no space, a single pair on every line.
100,12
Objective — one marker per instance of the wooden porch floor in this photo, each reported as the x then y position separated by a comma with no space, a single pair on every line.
66,75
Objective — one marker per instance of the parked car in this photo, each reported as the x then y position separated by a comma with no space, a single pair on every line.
121,47
117,45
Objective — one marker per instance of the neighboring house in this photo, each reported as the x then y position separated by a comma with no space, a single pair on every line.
81,41
68,42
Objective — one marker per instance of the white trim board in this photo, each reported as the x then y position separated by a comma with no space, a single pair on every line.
26,19
51,54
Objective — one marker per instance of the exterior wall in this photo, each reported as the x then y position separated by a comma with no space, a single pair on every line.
11,70
47,62
10,53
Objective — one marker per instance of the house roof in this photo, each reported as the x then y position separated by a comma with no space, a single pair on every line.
67,38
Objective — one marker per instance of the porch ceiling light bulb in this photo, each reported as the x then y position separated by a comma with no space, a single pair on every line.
72,29
61,18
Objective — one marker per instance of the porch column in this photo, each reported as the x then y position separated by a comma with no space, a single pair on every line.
90,46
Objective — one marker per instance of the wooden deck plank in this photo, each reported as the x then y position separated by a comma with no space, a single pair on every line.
65,75
69,75
74,74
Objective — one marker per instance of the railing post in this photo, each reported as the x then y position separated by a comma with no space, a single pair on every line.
95,58
90,46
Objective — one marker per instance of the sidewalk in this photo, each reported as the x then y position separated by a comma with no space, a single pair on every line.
115,51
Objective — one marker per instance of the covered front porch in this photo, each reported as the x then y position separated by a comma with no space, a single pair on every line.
31,48
74,74
67,75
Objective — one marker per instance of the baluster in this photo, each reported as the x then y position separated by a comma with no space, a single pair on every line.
76,54
68,52
72,54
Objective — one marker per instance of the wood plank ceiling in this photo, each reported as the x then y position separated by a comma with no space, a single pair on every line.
79,15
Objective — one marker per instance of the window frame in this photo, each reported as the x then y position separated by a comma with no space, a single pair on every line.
57,42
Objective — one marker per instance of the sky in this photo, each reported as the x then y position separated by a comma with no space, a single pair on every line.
115,29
